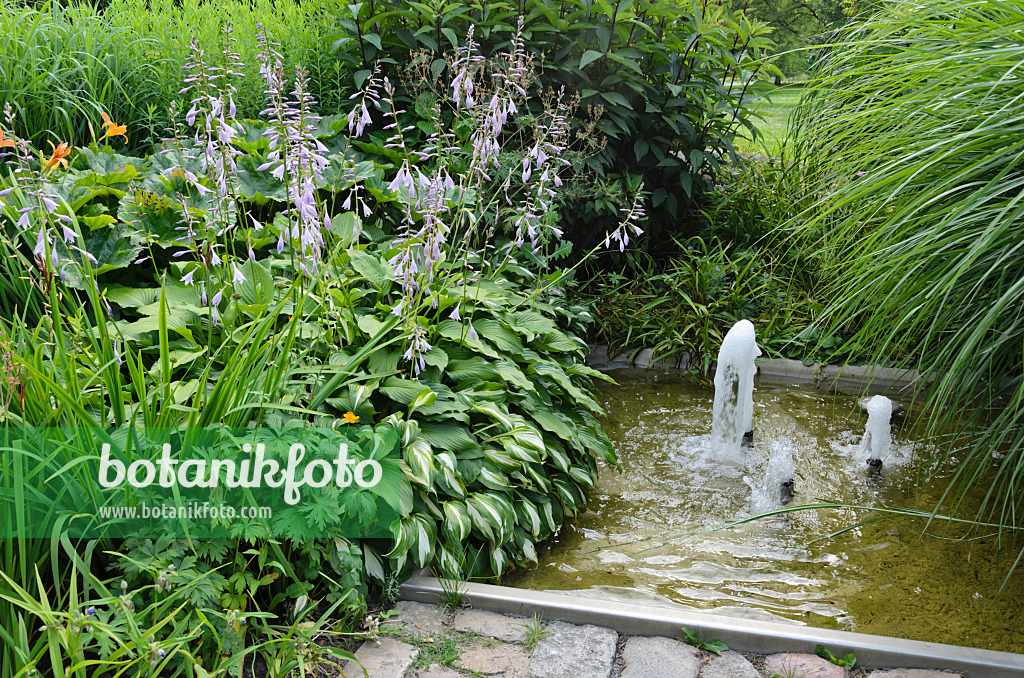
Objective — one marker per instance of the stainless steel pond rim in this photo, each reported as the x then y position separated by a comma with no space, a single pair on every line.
746,635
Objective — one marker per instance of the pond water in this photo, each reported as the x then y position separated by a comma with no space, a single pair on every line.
649,533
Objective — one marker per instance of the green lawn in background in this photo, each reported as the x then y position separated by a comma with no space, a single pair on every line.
775,109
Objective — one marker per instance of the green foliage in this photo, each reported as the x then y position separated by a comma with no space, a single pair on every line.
210,311
704,290
909,141
847,661
534,631
694,638
153,630
300,28
61,66
669,86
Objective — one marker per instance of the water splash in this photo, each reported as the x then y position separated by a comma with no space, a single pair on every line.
775,488
734,391
877,441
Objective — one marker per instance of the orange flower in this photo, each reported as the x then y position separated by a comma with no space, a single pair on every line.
350,417
113,129
59,153
6,142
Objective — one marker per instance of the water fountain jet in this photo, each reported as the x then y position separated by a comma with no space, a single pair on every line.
877,434
733,411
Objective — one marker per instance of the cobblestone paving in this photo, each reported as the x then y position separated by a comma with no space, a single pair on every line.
427,641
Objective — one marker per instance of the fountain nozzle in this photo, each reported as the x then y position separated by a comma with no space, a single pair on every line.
786,491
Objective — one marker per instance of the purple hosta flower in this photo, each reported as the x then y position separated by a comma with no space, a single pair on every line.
117,359
187,278
236,277
455,315
40,249
215,302
417,347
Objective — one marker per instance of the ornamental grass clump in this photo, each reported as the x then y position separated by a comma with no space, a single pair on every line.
910,142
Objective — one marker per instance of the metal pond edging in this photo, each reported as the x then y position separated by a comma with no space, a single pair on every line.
747,635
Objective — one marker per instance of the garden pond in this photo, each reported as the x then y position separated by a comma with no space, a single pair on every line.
649,533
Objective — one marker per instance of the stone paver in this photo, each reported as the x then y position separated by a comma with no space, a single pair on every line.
438,671
802,666
417,619
729,665
577,651
498,660
659,658
492,624
383,658
912,673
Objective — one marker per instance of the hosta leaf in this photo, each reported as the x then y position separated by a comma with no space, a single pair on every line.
528,516
499,561
260,187
493,478
501,336
550,421
459,333
449,560
372,564
452,482
530,323
420,462
258,286
582,476
457,523
406,391
472,368
444,436
558,342
372,267
502,459
519,452
560,458
536,473
426,398
508,371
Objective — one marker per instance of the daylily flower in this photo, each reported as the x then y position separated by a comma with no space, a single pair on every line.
350,417
113,129
58,156
6,142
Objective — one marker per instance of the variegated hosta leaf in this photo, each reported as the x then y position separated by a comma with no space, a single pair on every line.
359,394
426,398
540,479
372,564
570,495
502,459
497,413
457,523
552,514
449,560
410,431
528,516
529,550
559,456
446,459
528,436
581,475
495,511
432,507
520,452
452,481
419,460
493,478
423,534
499,561
403,536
